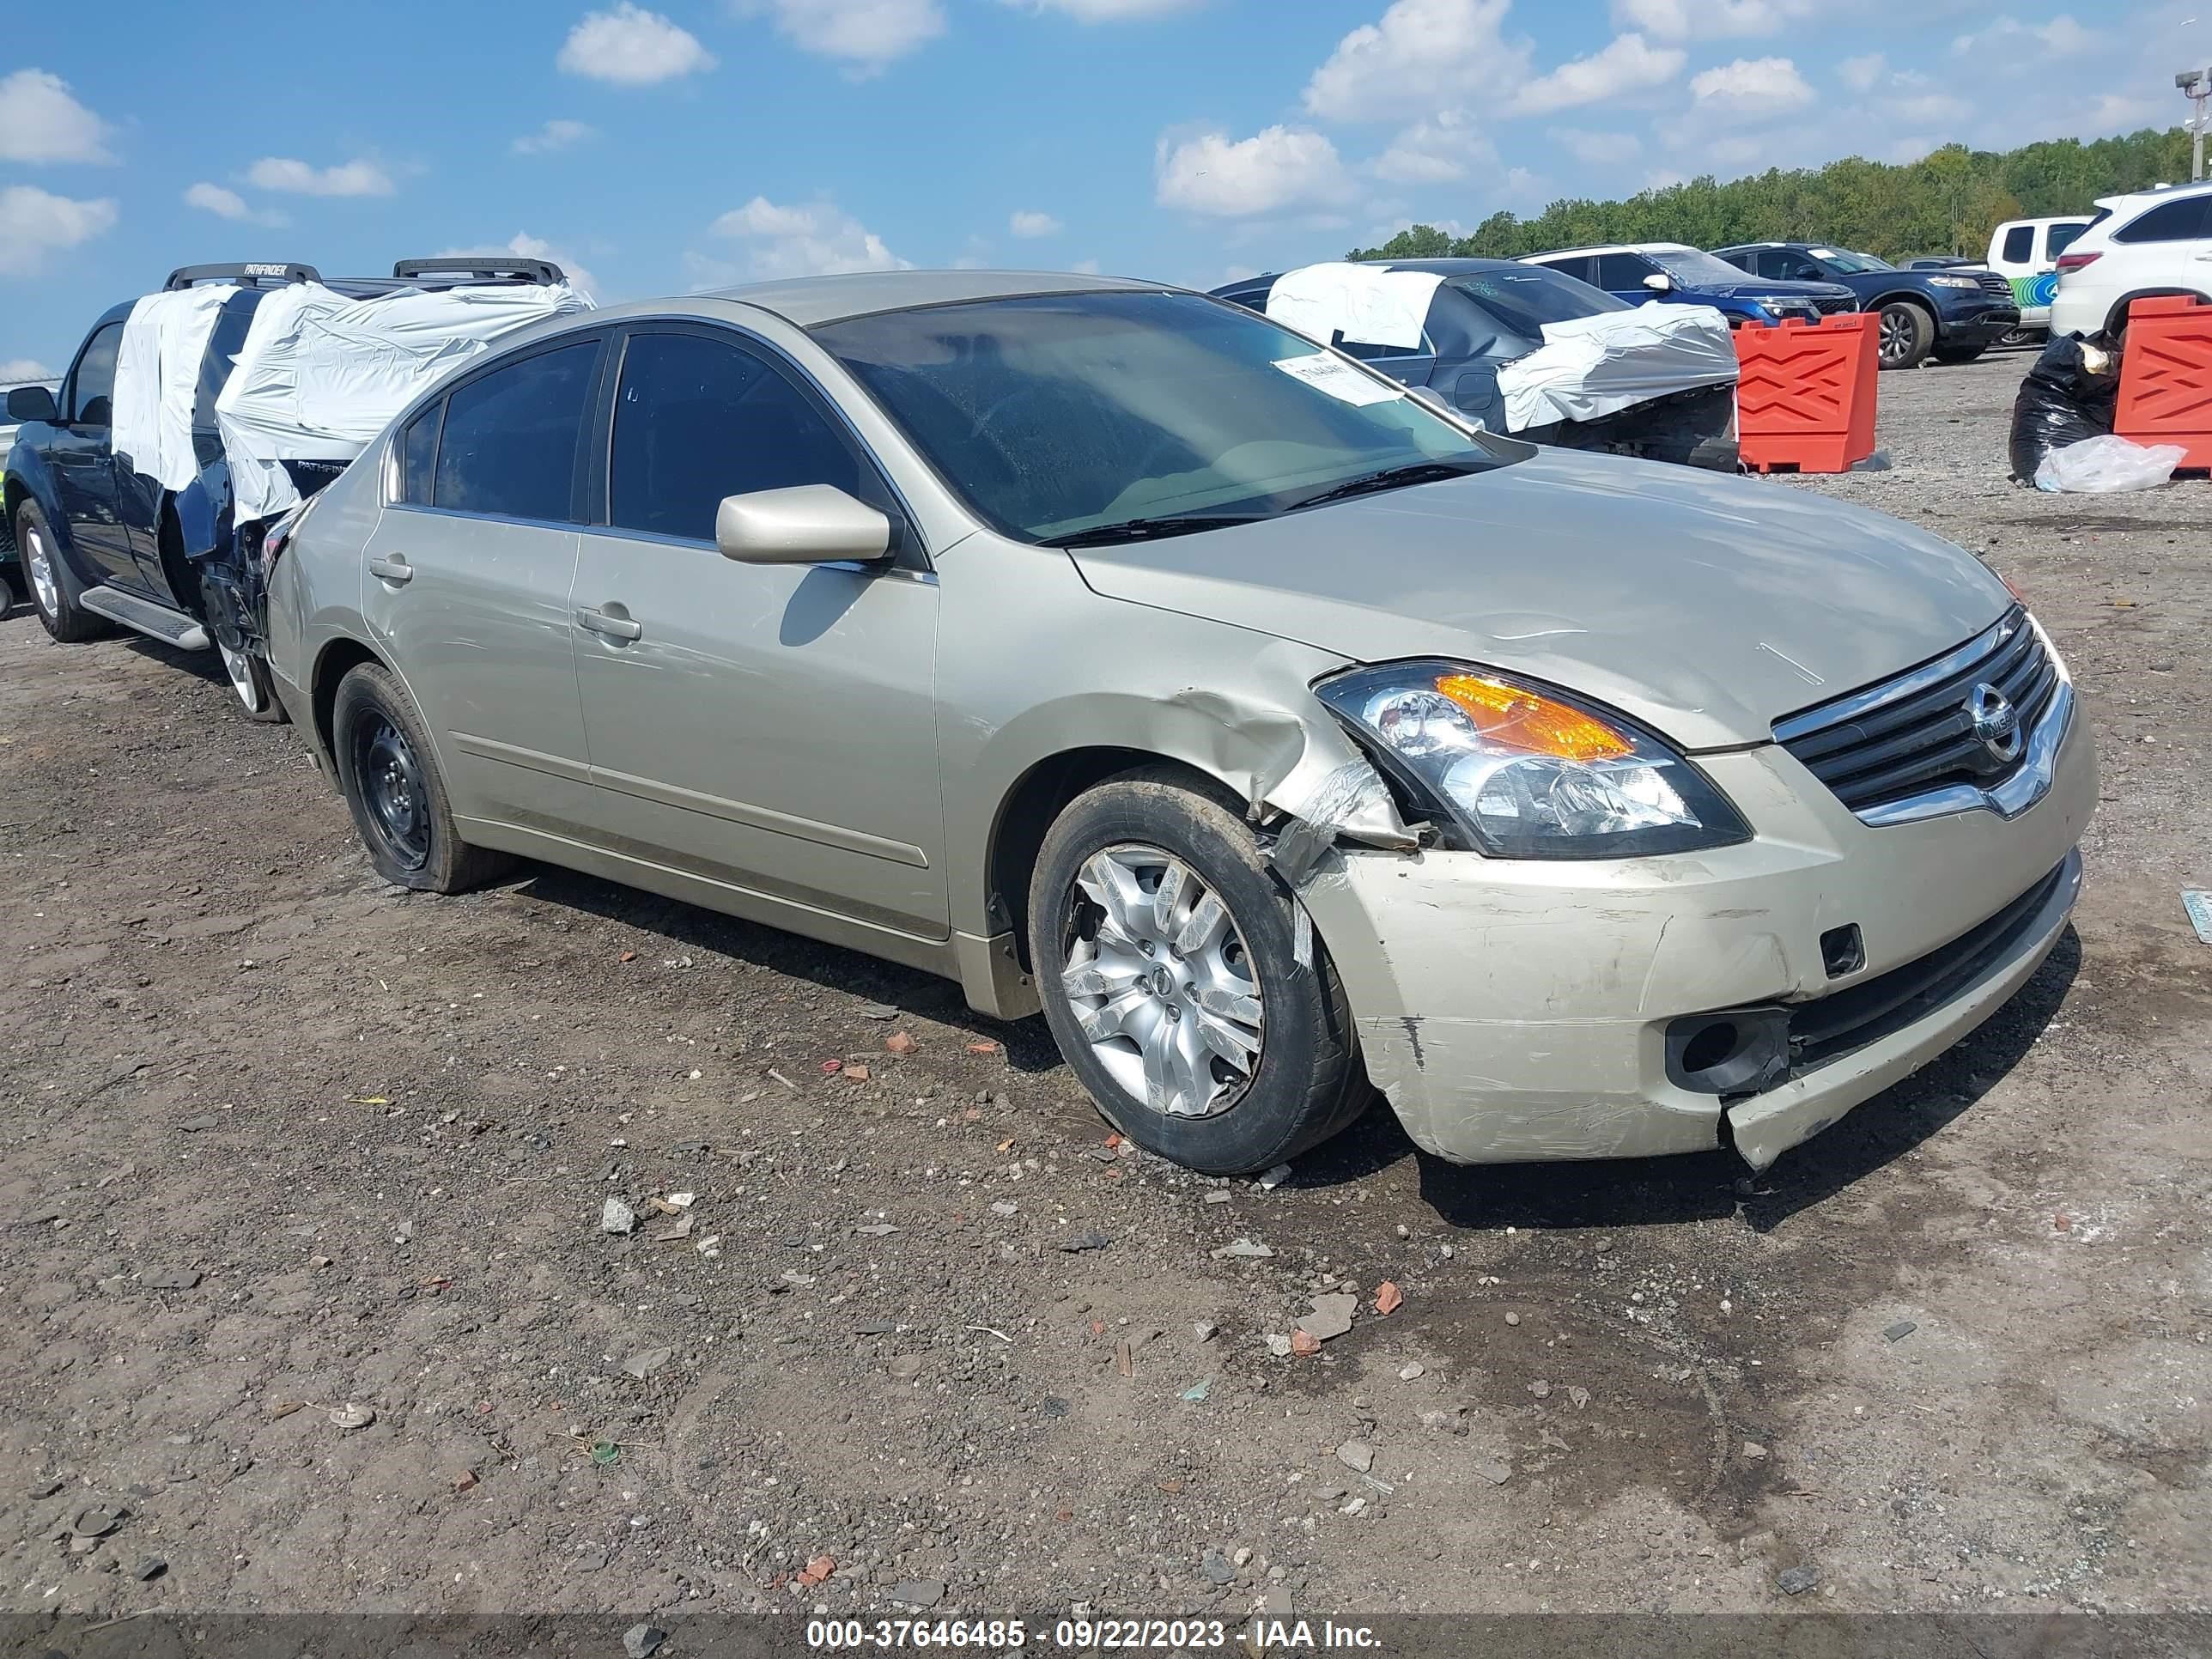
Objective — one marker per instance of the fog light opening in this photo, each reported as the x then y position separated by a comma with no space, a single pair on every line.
1711,1046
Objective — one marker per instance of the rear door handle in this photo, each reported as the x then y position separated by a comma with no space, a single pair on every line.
615,628
395,570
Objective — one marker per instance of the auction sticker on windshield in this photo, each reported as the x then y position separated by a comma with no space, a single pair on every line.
1339,379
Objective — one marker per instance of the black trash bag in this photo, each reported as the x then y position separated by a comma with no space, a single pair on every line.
2068,396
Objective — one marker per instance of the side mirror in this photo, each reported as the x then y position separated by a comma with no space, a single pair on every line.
1659,282
31,403
810,524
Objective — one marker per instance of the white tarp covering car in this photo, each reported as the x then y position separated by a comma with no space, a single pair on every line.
1592,366
1588,369
157,376
321,373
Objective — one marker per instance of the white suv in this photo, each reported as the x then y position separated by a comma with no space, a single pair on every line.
2154,241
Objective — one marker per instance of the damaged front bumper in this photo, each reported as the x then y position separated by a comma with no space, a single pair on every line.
1515,1011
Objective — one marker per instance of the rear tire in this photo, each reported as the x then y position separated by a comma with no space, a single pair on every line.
256,692
1908,334
393,789
1227,1059
1958,354
46,577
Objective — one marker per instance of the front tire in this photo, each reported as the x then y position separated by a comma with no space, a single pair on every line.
1908,334
1166,959
46,577
389,773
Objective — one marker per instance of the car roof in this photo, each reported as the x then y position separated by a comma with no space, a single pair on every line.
806,300
2156,193
1612,247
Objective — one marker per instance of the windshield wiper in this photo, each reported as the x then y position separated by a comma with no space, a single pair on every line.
1143,530
1390,478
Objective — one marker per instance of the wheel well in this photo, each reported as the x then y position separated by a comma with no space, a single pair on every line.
339,660
2117,317
1920,302
1030,807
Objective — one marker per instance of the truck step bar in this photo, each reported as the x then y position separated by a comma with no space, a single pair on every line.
155,621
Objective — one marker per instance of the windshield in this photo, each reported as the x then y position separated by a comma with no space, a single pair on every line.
1846,261
1695,269
1526,297
1051,415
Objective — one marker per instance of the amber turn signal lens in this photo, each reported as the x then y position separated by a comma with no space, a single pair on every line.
1521,720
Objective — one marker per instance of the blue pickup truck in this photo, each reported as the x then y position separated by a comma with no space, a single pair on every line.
1952,314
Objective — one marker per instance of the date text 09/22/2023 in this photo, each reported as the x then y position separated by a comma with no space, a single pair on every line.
1088,1635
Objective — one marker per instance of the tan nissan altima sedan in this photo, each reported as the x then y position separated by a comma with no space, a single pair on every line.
1116,652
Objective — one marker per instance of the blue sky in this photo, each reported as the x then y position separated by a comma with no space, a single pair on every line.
699,142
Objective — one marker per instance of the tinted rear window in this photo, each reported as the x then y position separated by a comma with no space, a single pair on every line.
223,345
510,438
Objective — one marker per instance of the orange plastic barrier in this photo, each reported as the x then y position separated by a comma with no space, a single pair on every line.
2165,377
1804,395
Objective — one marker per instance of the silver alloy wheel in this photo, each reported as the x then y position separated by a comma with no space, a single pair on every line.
41,563
1896,334
239,666
1160,981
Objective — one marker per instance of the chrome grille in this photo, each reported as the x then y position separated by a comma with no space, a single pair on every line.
1995,286
1917,733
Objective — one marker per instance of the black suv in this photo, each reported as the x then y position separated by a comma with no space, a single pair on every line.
101,544
1955,314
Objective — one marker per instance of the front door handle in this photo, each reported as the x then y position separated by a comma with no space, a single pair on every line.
615,628
395,570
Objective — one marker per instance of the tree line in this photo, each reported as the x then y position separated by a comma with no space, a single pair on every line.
1947,202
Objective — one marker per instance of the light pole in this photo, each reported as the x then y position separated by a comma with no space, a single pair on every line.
2195,86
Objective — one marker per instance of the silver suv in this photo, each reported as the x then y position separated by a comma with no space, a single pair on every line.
1116,652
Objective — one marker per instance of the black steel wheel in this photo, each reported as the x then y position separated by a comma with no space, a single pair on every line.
389,773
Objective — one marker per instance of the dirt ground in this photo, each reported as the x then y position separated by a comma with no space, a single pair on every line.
281,1141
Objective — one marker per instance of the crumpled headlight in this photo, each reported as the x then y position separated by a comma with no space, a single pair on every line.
1528,772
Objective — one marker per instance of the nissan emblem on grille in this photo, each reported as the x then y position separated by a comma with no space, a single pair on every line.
1995,721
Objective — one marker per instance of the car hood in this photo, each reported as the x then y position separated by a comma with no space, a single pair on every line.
1759,287
1705,606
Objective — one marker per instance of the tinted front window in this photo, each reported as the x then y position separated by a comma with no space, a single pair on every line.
418,452
510,440
92,388
1526,297
2181,221
1580,266
2062,236
1617,273
698,419
1058,413
2020,244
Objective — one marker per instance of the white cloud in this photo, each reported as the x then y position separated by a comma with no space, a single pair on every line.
38,224
1861,74
536,247
1628,64
632,47
866,34
228,204
26,368
1027,224
1750,89
360,176
1709,19
1107,11
557,134
40,122
1595,148
2061,36
1446,146
815,239
1085,267
1276,170
1420,54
